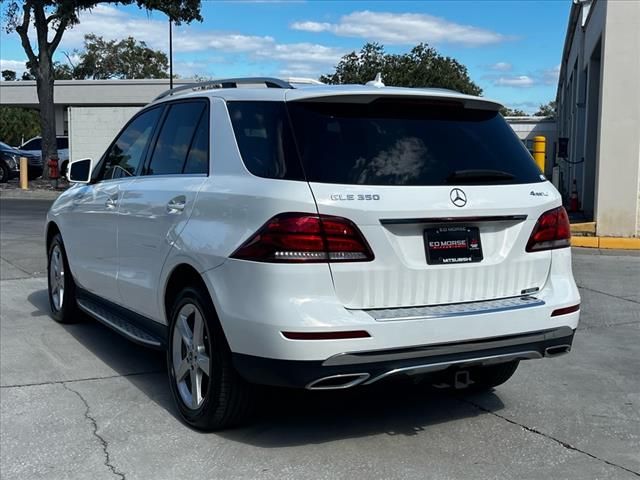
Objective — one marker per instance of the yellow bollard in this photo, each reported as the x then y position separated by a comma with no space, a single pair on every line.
24,173
539,148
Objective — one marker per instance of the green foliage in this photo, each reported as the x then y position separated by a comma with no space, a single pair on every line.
547,110
128,58
17,124
513,112
50,19
423,66
8,75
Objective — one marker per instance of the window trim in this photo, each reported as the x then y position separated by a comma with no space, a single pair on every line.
98,171
154,139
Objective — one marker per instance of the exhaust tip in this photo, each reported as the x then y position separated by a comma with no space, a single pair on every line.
557,350
338,382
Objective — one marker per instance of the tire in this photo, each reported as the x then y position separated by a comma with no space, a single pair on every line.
488,377
225,398
5,174
63,169
61,287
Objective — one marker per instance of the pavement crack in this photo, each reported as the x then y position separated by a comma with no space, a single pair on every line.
103,442
17,266
608,294
58,382
566,445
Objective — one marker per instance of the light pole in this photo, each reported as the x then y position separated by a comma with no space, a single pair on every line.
170,54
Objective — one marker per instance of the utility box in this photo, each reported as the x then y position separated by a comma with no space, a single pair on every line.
92,129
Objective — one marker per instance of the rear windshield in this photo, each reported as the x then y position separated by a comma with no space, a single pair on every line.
380,143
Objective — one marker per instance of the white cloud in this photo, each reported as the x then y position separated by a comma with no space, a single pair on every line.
501,67
550,76
403,29
302,52
17,66
519,81
192,42
311,26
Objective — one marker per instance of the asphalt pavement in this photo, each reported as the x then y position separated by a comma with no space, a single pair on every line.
79,401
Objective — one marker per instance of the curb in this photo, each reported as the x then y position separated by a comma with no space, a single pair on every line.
618,243
30,194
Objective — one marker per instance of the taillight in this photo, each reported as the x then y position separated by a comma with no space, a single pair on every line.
552,230
305,237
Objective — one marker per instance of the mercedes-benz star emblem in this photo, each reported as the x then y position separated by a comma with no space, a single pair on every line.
458,197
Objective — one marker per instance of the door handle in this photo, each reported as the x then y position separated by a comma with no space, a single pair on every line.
112,202
176,205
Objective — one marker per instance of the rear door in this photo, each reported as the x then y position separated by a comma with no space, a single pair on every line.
446,197
156,205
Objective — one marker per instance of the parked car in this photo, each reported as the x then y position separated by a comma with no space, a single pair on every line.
34,146
10,163
320,237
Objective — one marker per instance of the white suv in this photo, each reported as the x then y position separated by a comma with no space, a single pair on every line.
319,237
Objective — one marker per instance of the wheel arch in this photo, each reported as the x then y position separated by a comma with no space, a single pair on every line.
50,232
181,275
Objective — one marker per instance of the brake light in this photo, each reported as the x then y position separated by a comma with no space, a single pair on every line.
304,237
552,230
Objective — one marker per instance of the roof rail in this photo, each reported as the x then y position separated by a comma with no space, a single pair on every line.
226,83
304,81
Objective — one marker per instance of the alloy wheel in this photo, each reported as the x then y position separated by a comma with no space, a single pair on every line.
56,278
190,356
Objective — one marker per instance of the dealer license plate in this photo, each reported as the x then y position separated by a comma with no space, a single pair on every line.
452,244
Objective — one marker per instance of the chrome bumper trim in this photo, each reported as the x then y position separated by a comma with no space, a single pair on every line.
454,309
434,367
426,351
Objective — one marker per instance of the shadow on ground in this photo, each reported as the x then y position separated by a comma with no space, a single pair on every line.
287,417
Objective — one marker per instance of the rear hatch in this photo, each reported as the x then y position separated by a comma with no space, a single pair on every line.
446,196
443,191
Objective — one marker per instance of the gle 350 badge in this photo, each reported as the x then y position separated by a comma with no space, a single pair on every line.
354,196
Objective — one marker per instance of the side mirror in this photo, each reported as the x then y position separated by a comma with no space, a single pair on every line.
80,170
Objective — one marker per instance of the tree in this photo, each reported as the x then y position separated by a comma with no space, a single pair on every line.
8,75
515,112
50,19
18,123
423,66
126,58
547,110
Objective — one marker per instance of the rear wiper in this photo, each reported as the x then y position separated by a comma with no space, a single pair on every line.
461,176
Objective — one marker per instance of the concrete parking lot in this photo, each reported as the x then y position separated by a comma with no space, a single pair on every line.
81,402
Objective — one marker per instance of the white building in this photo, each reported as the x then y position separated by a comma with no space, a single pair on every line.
91,112
599,113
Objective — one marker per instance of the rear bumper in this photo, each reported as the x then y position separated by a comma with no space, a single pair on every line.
256,303
349,369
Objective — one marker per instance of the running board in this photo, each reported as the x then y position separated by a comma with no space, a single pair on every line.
119,323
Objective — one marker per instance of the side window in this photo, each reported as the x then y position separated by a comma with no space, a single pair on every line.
63,142
175,138
125,155
198,158
35,144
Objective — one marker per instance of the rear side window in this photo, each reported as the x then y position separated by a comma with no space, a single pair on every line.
384,142
265,139
175,139
198,157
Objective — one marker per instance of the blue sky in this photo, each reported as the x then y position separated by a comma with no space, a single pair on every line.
511,48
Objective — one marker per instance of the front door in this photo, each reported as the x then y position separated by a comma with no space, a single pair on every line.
92,221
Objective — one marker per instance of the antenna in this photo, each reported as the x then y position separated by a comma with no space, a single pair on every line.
376,82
